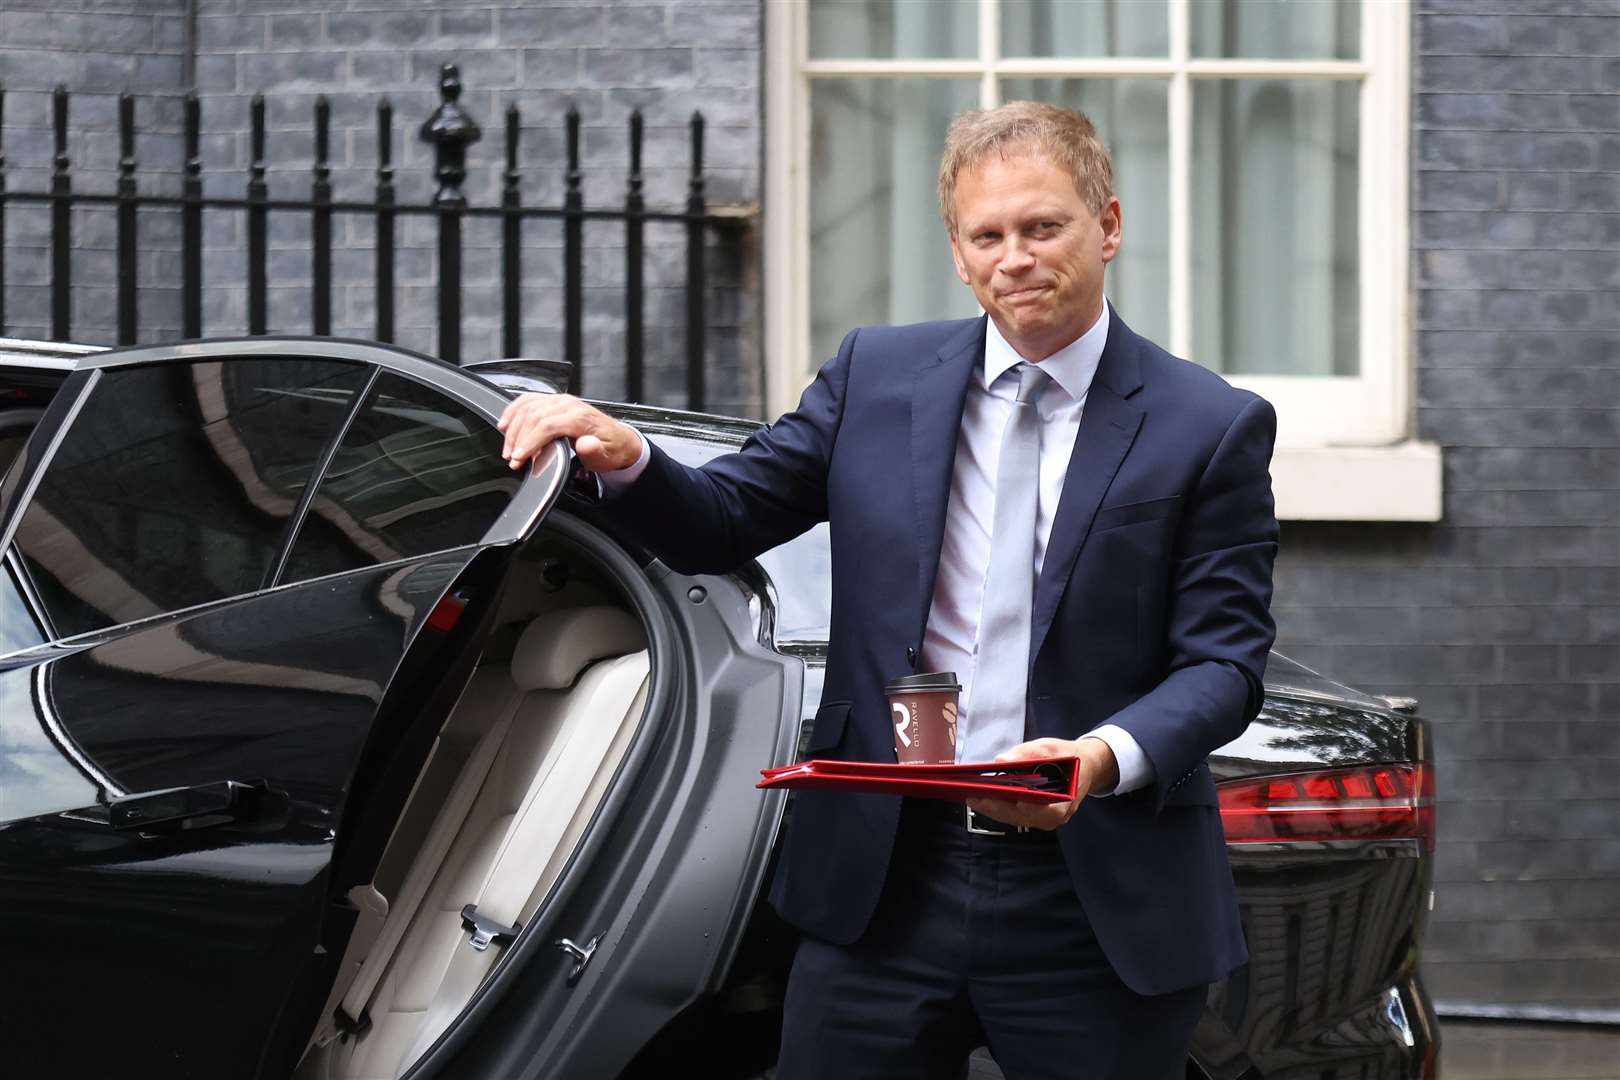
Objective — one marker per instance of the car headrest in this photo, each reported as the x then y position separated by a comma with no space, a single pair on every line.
558,645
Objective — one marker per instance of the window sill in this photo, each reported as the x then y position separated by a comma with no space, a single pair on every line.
1357,483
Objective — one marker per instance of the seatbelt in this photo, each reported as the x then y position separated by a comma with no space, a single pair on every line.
372,906
350,1015
373,916
510,882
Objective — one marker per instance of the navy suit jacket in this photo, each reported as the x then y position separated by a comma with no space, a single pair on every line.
1151,612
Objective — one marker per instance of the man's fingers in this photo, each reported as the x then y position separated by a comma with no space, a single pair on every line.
514,419
506,413
536,433
537,426
533,420
519,422
1036,748
518,435
517,411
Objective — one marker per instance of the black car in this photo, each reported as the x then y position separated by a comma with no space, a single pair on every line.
331,747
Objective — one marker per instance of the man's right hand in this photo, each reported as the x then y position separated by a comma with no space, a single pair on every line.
601,443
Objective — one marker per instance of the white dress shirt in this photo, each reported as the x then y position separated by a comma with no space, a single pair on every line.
951,639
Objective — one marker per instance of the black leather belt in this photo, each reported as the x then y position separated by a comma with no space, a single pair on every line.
958,814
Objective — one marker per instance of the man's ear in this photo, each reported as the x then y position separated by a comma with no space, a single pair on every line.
956,257
1112,228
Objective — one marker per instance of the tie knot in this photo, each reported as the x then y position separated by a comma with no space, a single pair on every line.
1031,381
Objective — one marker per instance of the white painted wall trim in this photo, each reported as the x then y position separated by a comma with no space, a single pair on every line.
786,255
1340,456
1357,483
1080,68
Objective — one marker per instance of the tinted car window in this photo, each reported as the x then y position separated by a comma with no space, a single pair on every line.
416,472
175,483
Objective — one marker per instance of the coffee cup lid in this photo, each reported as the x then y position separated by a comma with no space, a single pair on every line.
933,680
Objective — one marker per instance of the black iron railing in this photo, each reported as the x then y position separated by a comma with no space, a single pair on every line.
451,131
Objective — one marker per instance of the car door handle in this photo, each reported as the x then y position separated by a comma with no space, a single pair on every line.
195,807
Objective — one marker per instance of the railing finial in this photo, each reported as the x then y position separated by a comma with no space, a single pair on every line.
451,131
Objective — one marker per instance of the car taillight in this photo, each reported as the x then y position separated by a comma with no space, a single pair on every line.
1373,802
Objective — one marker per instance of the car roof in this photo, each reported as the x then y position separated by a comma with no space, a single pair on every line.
43,355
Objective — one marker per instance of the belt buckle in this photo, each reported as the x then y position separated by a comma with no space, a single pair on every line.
1001,830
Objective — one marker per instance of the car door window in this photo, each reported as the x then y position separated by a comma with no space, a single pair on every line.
175,485
416,472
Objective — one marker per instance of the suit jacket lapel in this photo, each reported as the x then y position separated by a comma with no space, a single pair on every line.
1108,426
936,418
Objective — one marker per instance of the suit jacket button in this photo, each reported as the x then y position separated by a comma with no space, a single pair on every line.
911,656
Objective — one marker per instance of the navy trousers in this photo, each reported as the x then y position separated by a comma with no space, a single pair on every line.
977,941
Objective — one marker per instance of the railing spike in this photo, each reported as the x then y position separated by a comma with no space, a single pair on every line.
191,239
127,268
61,221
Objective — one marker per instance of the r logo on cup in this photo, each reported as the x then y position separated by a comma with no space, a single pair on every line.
924,712
902,725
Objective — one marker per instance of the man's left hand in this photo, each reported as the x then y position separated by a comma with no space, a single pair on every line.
1098,771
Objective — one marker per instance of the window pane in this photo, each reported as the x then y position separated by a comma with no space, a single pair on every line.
1275,259
894,29
1095,28
416,473
1277,29
878,250
1130,115
174,485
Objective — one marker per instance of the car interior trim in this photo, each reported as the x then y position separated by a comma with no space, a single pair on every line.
533,943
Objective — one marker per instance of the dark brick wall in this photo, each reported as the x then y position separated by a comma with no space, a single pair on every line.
96,50
667,57
1504,618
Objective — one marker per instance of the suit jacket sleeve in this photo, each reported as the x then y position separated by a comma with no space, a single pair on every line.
1220,628
710,520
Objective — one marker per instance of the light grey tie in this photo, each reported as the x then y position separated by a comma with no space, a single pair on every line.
995,716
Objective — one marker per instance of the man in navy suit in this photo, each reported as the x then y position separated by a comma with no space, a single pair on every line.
1081,526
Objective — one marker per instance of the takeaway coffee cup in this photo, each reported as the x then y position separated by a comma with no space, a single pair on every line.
922,712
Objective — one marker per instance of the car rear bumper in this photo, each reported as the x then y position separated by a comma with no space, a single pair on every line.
1392,1036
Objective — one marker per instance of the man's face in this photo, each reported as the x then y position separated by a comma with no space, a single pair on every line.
1032,251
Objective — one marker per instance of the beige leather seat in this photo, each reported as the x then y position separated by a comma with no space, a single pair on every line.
582,675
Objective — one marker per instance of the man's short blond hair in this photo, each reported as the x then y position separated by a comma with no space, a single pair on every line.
1065,137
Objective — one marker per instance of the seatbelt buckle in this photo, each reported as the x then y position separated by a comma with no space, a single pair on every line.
486,931
348,1025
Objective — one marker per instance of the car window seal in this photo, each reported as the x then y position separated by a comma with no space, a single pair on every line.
30,590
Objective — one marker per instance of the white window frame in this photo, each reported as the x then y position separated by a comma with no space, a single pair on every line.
1355,429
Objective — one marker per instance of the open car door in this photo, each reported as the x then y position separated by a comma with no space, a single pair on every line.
242,584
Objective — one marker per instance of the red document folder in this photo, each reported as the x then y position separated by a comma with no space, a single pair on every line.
1037,780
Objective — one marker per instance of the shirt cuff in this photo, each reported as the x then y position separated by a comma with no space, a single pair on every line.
1135,770
616,480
